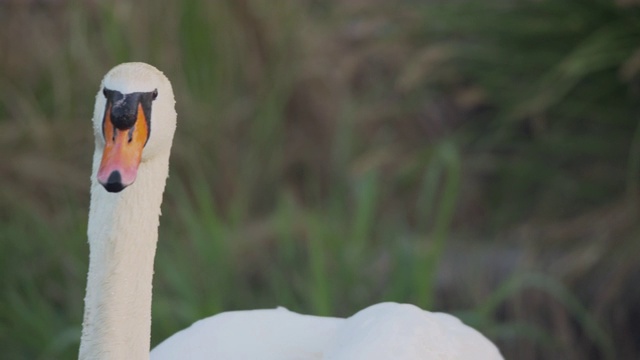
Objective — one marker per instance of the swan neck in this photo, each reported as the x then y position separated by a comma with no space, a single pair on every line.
123,232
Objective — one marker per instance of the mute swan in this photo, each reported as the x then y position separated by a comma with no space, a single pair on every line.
134,120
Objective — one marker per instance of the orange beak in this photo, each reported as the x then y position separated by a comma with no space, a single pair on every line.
122,152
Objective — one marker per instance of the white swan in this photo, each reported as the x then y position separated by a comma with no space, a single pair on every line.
134,121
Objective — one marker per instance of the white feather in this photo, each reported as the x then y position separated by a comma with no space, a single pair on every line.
379,332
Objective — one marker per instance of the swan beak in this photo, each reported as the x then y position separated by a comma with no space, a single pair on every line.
122,152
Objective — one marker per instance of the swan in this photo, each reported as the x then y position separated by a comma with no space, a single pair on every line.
134,120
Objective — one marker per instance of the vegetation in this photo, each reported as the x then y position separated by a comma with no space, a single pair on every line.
480,158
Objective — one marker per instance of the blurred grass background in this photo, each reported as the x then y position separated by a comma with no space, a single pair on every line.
475,157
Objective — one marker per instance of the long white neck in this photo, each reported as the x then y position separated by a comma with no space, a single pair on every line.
123,232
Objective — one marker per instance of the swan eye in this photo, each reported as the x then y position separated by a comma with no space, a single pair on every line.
154,95
104,92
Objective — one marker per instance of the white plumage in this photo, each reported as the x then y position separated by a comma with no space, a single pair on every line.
379,332
123,235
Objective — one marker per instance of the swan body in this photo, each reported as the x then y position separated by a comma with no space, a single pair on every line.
383,331
134,122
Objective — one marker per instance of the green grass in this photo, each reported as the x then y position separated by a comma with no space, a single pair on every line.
329,157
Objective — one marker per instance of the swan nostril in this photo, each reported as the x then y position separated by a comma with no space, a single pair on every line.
114,183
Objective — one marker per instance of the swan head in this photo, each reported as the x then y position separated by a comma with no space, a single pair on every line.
134,120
